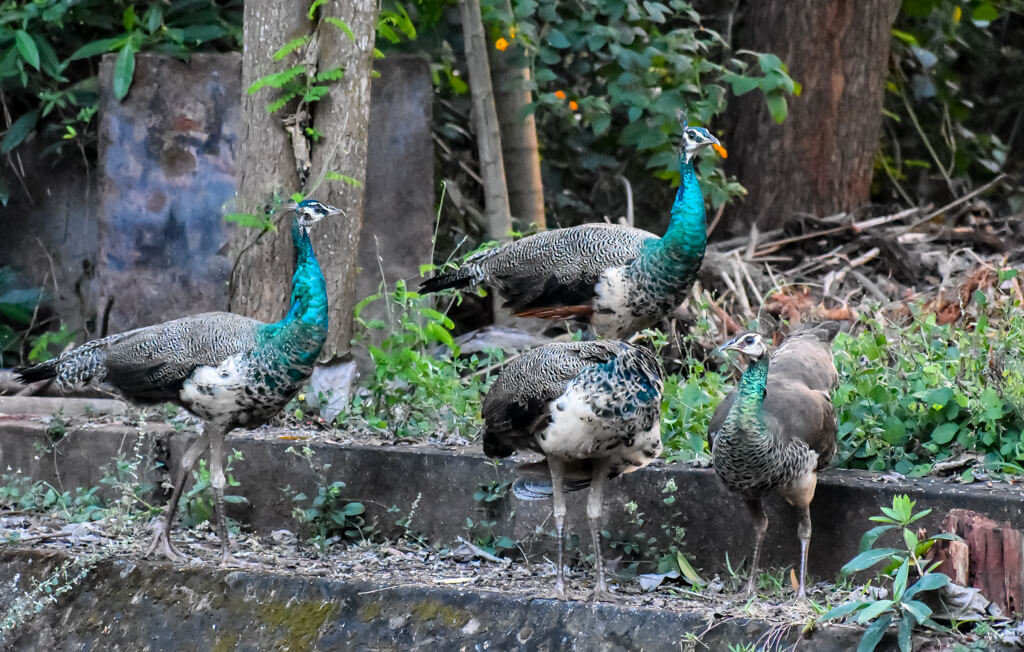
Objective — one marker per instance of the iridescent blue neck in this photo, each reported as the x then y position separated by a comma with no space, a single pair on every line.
746,411
672,262
309,292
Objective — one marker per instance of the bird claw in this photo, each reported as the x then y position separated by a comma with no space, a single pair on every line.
162,541
228,561
605,595
553,594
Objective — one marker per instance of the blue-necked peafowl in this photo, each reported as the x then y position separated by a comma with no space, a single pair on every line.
777,429
616,278
592,408
229,370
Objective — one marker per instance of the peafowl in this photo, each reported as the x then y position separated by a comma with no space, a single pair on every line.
229,370
592,408
777,429
617,279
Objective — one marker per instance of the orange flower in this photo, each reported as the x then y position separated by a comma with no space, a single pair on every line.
501,44
560,95
573,105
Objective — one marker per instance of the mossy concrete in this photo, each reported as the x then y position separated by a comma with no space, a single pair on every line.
436,487
128,605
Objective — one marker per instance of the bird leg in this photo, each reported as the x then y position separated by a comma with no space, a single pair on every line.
804,532
161,537
218,481
800,494
558,501
760,527
595,505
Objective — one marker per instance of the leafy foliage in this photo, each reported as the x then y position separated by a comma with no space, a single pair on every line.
952,98
329,517
199,500
49,51
905,602
910,396
420,385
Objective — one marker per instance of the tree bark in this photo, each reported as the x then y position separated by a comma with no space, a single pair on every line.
272,161
519,150
485,122
820,160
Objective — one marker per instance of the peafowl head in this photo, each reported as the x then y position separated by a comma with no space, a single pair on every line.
697,138
309,211
751,345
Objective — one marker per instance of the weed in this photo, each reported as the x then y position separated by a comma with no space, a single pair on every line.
20,493
899,563
199,500
481,531
329,517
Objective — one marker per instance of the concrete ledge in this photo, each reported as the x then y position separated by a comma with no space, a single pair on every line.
128,605
441,483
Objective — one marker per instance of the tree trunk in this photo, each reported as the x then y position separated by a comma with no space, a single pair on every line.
485,122
518,136
820,160
273,160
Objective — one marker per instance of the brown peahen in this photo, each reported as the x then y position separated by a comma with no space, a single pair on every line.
777,429
592,408
229,370
617,279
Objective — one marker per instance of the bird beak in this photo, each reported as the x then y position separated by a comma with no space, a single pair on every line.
331,210
728,346
717,146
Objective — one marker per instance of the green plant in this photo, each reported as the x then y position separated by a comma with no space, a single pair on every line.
329,516
481,531
912,395
949,125
21,493
420,385
902,565
49,51
199,506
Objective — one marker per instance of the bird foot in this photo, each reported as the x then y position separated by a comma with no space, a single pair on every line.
227,560
162,542
553,594
605,595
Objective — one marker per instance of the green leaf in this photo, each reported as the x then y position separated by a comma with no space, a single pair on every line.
98,47
777,106
557,39
873,635
18,131
869,537
342,25
844,609
128,19
27,48
124,71
929,582
900,583
354,509
873,610
906,629
867,559
291,46
945,433
906,37
985,12
920,610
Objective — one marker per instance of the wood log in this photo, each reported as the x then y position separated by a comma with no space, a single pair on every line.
990,558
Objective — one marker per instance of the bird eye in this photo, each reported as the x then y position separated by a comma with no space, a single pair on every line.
692,133
749,339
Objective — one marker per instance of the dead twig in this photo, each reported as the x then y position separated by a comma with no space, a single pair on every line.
956,202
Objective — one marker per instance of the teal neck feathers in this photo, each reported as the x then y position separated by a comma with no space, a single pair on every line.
671,263
303,330
746,414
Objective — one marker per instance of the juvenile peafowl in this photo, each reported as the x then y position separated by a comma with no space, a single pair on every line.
592,408
617,279
229,370
777,429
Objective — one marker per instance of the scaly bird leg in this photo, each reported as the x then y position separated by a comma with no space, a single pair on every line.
595,505
804,532
218,481
760,527
558,500
161,538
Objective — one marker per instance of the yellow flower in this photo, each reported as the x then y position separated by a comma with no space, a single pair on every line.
560,95
501,44
958,13
573,105
512,31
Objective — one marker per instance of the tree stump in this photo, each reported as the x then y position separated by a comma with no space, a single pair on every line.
990,558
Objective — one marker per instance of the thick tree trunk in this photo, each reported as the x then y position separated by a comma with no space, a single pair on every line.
820,159
272,161
485,122
519,149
